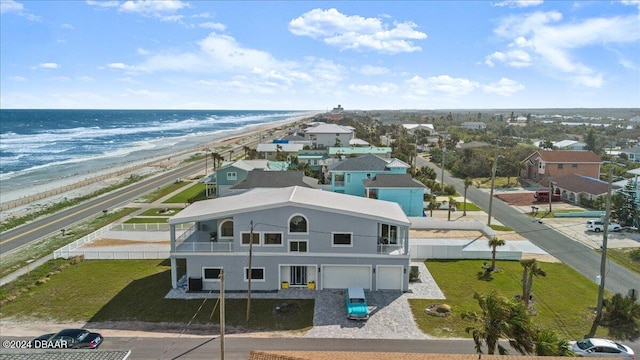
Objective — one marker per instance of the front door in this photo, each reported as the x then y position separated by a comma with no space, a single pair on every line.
298,275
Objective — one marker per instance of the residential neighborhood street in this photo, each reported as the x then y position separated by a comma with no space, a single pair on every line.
573,253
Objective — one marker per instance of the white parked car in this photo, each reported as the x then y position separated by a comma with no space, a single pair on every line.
595,347
598,226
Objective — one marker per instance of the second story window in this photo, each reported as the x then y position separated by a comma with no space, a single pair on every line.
232,175
560,166
226,229
298,224
342,239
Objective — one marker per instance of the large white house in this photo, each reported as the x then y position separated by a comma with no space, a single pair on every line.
295,235
328,135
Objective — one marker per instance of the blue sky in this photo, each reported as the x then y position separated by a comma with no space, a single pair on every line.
306,55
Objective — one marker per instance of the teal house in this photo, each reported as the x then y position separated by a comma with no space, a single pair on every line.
399,188
347,175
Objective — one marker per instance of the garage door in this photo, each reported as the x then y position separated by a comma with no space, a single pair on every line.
344,276
390,277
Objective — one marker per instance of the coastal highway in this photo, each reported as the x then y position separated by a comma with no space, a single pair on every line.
573,253
23,235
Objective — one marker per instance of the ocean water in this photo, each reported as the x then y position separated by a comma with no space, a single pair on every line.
39,146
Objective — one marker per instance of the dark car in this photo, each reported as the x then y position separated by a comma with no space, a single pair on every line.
68,339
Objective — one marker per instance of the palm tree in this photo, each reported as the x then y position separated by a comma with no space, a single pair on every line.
433,204
494,243
452,204
246,151
217,158
230,154
500,318
546,343
530,269
621,316
467,182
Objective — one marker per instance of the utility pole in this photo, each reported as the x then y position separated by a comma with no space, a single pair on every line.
222,312
494,168
444,149
603,259
250,275
550,193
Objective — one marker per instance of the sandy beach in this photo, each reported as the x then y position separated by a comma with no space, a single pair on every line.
31,199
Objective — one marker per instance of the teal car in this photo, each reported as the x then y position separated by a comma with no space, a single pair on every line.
356,304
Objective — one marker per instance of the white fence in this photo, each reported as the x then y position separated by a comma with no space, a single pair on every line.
73,249
426,223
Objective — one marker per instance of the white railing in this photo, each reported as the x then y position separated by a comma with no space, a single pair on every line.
116,255
201,246
82,241
148,227
185,235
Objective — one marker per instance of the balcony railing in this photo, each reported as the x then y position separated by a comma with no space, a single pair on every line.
339,183
205,246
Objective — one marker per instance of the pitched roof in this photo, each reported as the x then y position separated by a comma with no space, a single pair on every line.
583,184
392,181
273,198
247,164
569,156
633,150
272,179
368,162
329,129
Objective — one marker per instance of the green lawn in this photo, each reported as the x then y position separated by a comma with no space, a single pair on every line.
163,191
563,298
470,206
189,193
134,290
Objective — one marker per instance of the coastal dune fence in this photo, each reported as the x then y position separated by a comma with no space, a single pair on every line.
76,248
63,189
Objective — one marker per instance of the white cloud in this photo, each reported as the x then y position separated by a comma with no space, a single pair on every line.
142,51
7,6
164,10
62,78
356,32
104,4
48,65
373,70
557,44
213,26
67,26
443,85
152,7
513,58
382,89
518,3
504,87
128,68
17,78
84,78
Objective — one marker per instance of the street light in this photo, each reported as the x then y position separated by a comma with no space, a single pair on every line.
494,168
206,160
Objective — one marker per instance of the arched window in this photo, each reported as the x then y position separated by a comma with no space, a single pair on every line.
298,224
226,228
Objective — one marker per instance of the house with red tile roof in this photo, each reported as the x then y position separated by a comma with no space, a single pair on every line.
543,165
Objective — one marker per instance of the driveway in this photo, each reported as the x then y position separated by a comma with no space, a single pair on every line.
390,318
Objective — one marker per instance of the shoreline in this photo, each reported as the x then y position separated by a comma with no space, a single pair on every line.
33,198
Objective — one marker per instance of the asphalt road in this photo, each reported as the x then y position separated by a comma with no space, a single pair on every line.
573,253
238,348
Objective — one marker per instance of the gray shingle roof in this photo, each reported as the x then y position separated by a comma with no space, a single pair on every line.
367,162
271,179
583,184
